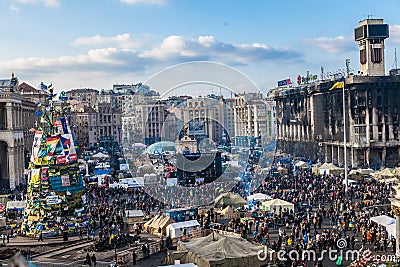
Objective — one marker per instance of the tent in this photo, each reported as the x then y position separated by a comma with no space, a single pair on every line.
217,250
385,173
100,156
329,168
302,164
361,171
227,210
16,205
134,215
159,221
277,204
229,199
259,197
182,228
388,222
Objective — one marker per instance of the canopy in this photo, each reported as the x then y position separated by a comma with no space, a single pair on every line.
16,205
227,210
218,250
301,164
134,213
329,168
361,171
388,222
229,199
185,224
277,204
385,173
159,221
100,155
259,197
182,228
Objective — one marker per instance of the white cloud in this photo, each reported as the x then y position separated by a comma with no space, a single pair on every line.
394,34
173,49
47,3
14,8
122,40
96,59
338,44
208,48
121,60
149,2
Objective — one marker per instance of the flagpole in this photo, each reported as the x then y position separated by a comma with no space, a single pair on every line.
345,141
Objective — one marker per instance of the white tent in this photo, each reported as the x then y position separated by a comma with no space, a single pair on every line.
388,222
259,197
301,164
329,168
134,213
16,205
182,228
277,204
132,182
100,155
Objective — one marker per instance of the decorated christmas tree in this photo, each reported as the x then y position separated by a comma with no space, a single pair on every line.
56,200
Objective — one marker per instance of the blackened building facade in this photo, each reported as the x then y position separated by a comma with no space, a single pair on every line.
310,116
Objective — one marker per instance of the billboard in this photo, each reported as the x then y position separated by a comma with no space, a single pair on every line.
196,127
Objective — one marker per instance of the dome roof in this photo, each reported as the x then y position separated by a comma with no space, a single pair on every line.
161,147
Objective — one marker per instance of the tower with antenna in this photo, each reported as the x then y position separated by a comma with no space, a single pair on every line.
395,70
370,35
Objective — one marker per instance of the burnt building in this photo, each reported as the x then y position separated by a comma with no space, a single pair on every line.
310,117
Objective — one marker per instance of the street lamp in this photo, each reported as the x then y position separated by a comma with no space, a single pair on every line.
87,176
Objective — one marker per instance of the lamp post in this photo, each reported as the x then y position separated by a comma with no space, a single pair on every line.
87,176
345,141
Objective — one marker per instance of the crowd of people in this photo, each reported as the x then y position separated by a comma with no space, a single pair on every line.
325,213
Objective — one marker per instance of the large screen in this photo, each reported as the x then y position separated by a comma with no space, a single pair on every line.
371,31
359,33
196,127
378,31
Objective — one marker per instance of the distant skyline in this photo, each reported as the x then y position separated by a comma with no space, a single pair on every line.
97,43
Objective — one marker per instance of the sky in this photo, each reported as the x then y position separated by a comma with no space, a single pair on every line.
98,43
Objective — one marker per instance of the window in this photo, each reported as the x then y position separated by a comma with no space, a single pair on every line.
376,55
363,56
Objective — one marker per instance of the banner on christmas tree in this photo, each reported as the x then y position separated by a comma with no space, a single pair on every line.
65,180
